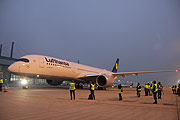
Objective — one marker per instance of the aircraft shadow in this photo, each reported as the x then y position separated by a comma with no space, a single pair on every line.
83,98
169,104
146,103
129,100
133,97
62,99
115,99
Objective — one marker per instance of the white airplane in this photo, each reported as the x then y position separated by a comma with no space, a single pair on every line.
55,71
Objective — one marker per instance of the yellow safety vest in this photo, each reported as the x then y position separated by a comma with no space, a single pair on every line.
156,89
139,89
92,87
160,88
1,81
147,86
174,88
178,88
72,86
120,91
152,87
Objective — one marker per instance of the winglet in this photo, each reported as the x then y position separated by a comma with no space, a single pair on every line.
115,68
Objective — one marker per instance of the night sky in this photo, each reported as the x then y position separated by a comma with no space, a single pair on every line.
143,34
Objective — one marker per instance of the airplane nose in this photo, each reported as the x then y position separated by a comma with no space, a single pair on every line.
13,68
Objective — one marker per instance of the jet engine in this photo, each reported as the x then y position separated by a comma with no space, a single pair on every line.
54,82
105,81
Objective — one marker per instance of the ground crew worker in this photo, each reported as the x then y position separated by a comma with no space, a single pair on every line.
138,89
92,88
72,89
149,89
159,85
178,89
1,84
120,90
146,89
174,89
155,89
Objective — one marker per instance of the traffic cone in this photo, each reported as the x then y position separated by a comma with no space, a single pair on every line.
5,89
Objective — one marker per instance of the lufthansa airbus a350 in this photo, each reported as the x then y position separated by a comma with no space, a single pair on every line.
55,71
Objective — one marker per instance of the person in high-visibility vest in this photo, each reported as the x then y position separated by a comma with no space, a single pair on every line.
146,89
1,84
155,89
173,87
72,89
138,89
149,89
178,89
160,87
120,90
92,88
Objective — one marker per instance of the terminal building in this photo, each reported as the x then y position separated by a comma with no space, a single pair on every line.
11,79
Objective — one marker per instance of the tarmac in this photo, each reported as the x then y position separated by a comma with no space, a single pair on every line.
55,104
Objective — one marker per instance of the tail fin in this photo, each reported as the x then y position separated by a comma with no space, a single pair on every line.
115,68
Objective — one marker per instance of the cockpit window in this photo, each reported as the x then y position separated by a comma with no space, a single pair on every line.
23,60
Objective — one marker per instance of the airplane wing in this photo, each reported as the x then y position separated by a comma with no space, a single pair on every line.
124,74
92,77
88,77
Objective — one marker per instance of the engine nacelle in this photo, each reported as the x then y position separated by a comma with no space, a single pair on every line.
54,82
104,81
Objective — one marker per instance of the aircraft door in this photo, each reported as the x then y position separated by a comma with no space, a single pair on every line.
41,63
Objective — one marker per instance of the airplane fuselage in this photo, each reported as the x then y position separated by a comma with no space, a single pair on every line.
52,68
57,70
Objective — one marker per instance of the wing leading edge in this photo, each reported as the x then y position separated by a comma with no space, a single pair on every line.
124,74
